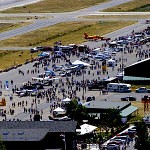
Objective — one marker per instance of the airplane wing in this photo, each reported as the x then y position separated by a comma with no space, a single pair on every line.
35,78
44,79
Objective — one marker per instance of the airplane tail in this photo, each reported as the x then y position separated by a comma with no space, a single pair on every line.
85,35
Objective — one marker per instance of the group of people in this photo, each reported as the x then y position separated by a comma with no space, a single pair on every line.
74,86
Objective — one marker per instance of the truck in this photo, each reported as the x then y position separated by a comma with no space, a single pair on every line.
119,87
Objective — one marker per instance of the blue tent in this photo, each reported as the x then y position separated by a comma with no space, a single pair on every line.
49,72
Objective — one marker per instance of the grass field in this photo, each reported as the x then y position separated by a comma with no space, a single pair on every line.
132,17
13,58
46,6
135,5
74,34
47,36
22,17
10,26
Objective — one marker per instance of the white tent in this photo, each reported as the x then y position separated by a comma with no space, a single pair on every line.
86,128
78,62
111,61
66,100
58,109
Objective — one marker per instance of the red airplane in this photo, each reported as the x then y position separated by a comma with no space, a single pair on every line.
94,37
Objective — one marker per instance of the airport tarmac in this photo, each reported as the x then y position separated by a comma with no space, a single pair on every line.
18,79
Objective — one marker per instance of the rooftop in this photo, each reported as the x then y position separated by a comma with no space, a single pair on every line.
33,130
106,104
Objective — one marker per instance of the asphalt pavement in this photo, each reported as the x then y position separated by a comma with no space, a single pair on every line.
58,18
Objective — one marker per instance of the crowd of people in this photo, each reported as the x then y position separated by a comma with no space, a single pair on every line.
74,86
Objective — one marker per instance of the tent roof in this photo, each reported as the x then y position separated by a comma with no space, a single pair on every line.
78,62
111,60
138,62
132,78
86,128
58,109
66,100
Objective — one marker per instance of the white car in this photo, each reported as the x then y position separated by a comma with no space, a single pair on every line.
35,49
142,90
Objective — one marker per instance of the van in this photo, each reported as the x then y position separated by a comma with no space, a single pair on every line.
119,87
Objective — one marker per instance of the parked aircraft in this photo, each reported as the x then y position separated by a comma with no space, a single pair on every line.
94,37
44,80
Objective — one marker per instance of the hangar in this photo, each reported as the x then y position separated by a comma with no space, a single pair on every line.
96,108
138,73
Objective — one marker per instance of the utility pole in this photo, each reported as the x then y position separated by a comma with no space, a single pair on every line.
83,82
122,61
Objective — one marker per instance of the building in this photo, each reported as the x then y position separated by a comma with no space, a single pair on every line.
38,135
96,108
138,73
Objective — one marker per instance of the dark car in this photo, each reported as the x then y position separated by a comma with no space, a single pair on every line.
90,98
128,98
33,50
96,86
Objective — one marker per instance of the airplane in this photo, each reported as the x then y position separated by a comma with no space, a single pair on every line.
94,37
45,78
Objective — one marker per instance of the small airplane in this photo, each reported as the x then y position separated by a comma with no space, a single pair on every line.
45,78
94,37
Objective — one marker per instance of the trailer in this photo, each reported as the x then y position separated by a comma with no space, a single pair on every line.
119,87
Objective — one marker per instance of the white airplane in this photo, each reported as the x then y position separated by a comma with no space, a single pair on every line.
45,78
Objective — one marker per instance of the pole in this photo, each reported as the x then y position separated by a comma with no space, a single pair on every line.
83,83
65,140
122,60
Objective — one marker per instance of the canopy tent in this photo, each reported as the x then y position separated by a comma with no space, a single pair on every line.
78,62
86,128
49,72
66,100
111,61
58,109
44,54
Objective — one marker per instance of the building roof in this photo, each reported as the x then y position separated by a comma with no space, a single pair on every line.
138,62
127,111
132,78
33,130
106,104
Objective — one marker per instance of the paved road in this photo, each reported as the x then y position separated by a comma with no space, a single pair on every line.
6,4
60,17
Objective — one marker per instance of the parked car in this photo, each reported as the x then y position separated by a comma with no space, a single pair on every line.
90,98
128,98
41,48
96,86
142,90
33,50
